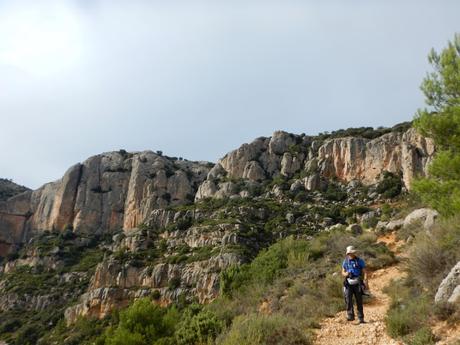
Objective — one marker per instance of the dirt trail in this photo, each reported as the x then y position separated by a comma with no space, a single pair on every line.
338,331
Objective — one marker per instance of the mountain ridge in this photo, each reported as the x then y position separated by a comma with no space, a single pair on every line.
119,190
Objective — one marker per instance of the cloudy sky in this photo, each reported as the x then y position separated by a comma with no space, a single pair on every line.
199,78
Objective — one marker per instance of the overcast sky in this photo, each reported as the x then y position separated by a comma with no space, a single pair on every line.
198,78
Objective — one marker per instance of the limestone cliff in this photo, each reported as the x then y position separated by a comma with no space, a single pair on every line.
312,160
120,190
107,192
124,225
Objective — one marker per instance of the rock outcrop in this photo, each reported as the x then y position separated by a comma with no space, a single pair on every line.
449,289
347,159
424,216
107,192
120,190
9,189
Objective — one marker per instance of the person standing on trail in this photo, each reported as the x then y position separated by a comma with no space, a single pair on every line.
354,272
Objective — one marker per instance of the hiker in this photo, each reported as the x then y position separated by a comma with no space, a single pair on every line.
354,272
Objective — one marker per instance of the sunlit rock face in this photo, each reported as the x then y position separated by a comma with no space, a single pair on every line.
120,190
346,159
107,192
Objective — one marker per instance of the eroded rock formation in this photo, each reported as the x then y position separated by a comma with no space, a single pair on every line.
347,159
107,192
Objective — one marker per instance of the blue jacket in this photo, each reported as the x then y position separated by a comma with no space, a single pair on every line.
354,266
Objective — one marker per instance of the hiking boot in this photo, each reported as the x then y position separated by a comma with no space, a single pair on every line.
350,319
362,321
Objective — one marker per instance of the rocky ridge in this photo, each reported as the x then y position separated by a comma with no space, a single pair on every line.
164,227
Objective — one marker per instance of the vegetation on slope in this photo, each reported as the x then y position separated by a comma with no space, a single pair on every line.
433,254
8,189
441,121
278,298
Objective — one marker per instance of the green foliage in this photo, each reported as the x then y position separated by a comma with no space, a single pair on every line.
442,189
184,223
174,283
9,189
264,268
441,122
142,323
24,280
84,331
335,193
390,186
423,336
407,313
198,327
365,132
431,256
354,210
257,329
89,260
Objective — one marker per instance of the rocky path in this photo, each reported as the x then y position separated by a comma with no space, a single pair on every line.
338,331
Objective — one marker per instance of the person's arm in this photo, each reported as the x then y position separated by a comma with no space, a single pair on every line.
365,276
344,271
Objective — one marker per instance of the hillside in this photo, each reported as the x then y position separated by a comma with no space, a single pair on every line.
121,226
9,189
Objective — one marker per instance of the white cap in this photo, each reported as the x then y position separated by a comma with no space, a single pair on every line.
351,250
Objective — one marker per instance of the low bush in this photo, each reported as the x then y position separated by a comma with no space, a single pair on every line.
256,329
423,336
142,323
390,186
335,193
198,327
407,317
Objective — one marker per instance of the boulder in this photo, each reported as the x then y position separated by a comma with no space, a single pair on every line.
253,171
449,289
425,216
290,164
280,142
290,218
394,224
296,186
312,182
355,229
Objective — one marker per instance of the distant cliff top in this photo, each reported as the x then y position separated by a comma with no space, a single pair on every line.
8,189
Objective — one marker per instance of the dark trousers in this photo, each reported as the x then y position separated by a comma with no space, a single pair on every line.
349,292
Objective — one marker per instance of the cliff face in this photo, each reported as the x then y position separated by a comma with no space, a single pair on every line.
119,190
350,158
107,192
124,225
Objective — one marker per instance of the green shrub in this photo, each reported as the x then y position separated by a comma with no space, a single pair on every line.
354,210
390,186
200,328
10,326
335,193
174,283
90,259
257,329
423,336
409,310
264,268
441,122
155,294
184,223
28,335
142,323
